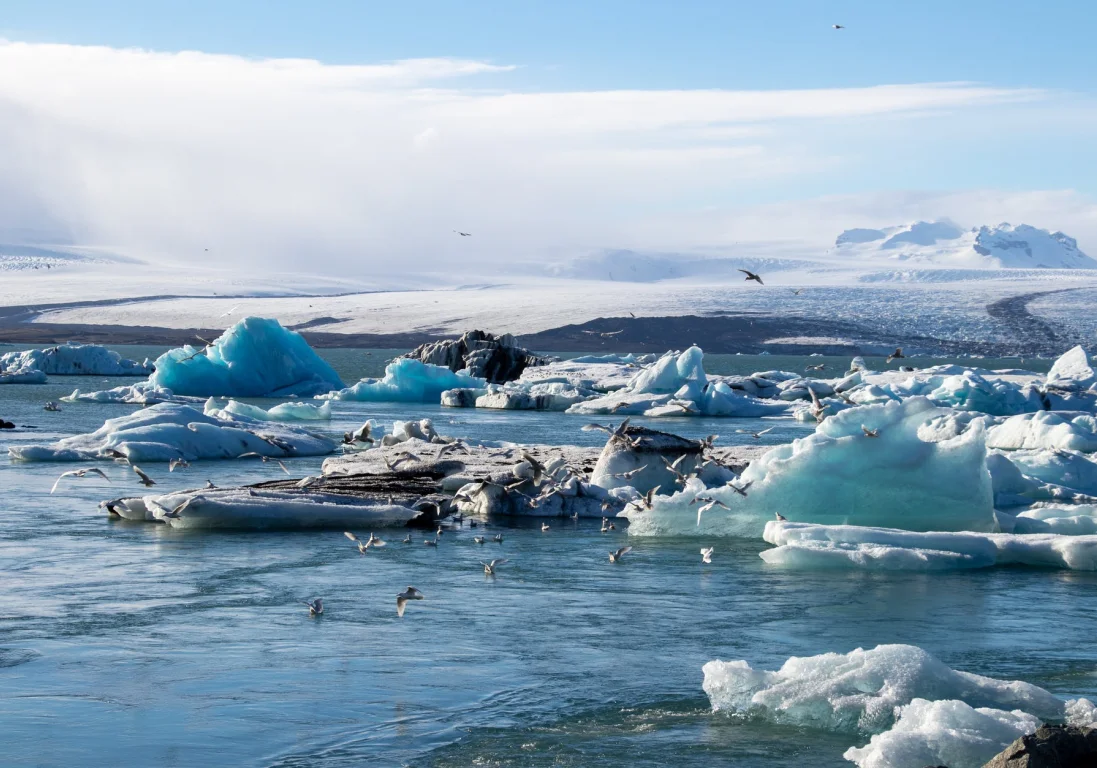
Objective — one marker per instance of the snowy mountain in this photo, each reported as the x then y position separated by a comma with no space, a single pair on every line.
944,243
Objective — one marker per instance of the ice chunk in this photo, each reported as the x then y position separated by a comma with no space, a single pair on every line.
75,360
283,412
141,393
1044,429
1067,520
266,508
858,691
169,431
497,359
922,471
256,357
1065,469
1072,371
639,458
810,546
22,376
972,392
946,732
408,381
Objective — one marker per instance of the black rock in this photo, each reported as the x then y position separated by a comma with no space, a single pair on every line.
1052,746
6,424
498,359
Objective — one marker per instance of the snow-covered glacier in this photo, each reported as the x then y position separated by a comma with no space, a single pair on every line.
256,357
74,360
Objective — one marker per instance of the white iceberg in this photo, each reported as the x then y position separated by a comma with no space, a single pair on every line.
282,412
408,381
859,691
22,376
256,357
1065,471
1045,429
923,471
1072,371
1066,520
811,546
946,732
75,360
171,431
141,393
676,385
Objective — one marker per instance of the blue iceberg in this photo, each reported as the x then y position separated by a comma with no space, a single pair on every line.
256,357
408,381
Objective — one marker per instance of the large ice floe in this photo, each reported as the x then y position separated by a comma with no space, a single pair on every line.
171,431
292,411
811,546
904,464
256,357
1045,429
917,710
408,381
22,376
676,385
74,360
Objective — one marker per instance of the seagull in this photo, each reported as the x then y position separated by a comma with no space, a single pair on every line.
751,276
710,504
896,355
265,459
309,481
431,542
489,568
439,532
372,541
80,473
837,26
706,555
631,473
478,539
796,291
870,432
51,406
209,484
463,234
177,463
226,314
145,479
817,409
411,593
498,538
316,607
740,489
780,518
755,435
544,527
615,557
407,539
818,367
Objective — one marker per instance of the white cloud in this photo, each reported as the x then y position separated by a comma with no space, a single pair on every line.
294,162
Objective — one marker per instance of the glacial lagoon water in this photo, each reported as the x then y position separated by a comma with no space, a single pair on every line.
135,644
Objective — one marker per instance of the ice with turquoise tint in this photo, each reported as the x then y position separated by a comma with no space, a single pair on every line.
408,381
256,357
74,360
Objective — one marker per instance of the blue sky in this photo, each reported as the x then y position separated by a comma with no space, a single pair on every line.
541,141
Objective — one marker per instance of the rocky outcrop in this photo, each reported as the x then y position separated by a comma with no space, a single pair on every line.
1052,746
498,359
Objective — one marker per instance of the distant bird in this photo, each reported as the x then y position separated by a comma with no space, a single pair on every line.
226,314
741,489
362,435
498,538
411,593
145,479
615,557
780,518
706,554
209,484
489,568
870,432
755,435
751,276
80,473
177,464
51,406
265,459
796,291
544,527
372,541
817,409
478,539
431,542
463,234
629,474
316,607
896,355
604,334
407,539
837,26
818,367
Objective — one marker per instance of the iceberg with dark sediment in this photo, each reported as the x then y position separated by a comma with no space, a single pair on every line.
408,381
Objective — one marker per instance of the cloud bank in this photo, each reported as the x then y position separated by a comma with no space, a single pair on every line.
363,169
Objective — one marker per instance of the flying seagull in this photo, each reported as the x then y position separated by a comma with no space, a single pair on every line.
706,555
489,568
896,355
615,557
463,234
145,479
837,26
372,541
780,518
755,435
870,432
175,464
316,607
751,276
80,473
411,593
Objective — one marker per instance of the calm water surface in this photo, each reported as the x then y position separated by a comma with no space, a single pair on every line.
134,644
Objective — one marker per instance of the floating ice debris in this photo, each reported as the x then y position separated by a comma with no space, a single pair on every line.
169,431
496,359
924,471
408,381
142,393
810,546
1045,429
859,691
943,733
294,411
75,360
1072,371
256,357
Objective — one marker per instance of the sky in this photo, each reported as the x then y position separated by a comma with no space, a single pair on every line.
360,135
